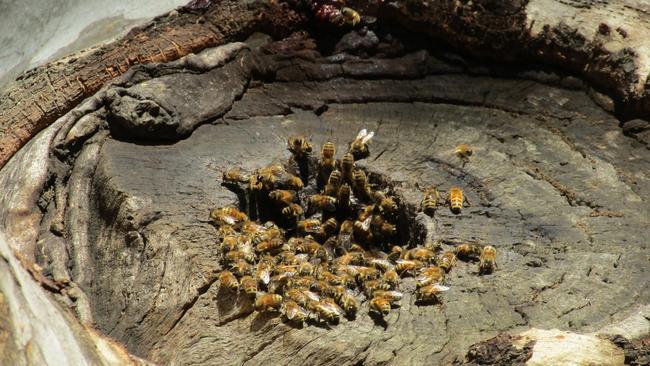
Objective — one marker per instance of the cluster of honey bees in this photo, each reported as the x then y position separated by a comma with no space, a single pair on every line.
319,238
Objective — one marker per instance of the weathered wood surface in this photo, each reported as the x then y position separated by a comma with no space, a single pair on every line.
555,185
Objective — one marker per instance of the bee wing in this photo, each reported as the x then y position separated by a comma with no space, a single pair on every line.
366,223
422,278
362,134
368,137
395,295
290,312
265,276
333,308
383,263
230,220
441,287
311,295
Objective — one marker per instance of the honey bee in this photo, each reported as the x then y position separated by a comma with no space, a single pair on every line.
349,304
430,292
328,309
293,210
392,296
229,243
305,269
359,147
447,261
227,216
327,163
368,273
282,197
294,312
336,291
322,202
328,228
430,201
233,256
249,285
274,244
468,251
343,197
263,272
347,166
268,302
387,229
360,185
387,205
381,264
299,147
297,295
351,17
380,305
488,260
420,254
293,182
429,276
229,281
391,277
407,267
456,199
305,245
396,252
463,151
333,183
309,226
241,268
362,230
375,285
344,238
235,176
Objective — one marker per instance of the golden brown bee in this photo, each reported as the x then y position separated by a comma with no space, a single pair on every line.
328,309
305,269
381,264
249,285
254,183
336,291
328,227
241,268
235,176
293,210
359,147
282,197
347,166
333,183
296,295
387,205
299,147
263,272
368,273
468,251
387,229
447,261
456,198
430,201
407,267
302,282
351,17
362,230
392,296
380,305
429,276
229,243
327,163
293,182
488,260
343,197
430,292
349,304
233,256
309,226
274,244
391,277
229,281
294,312
268,302
322,202
396,252
227,216
360,185
421,254
344,238
375,285
286,270
305,245
463,151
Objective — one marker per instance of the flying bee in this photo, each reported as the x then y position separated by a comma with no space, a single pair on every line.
282,197
463,151
430,292
293,312
322,202
293,210
360,186
456,199
407,267
227,216
229,281
380,305
299,147
347,166
309,226
333,183
468,251
488,260
430,201
268,302
359,147
343,197
249,285
349,304
235,176
420,254
447,261
429,276
327,163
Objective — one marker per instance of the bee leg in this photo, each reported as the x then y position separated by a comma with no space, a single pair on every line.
469,204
